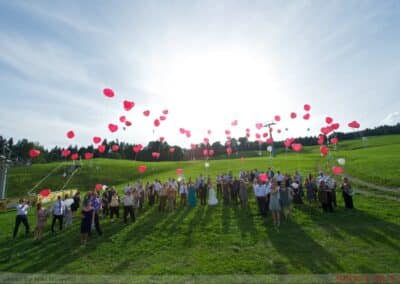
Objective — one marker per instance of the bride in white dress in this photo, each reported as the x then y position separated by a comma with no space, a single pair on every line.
212,198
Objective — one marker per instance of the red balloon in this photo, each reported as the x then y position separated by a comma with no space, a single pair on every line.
128,105
112,127
165,111
156,123
108,92
101,148
136,149
247,130
88,156
258,136
326,130
297,147
146,113
334,140
307,107
328,119
179,172
277,118
70,134
65,153
162,117
96,140
229,150
98,186
74,156
335,126
211,152
33,153
288,142
182,130
263,177
142,169
306,116
128,123
206,141
259,126
293,115
234,123
227,132
188,133
324,150
337,170
161,139
205,152
115,148
270,140
45,192
122,118
279,131
265,134
171,150
354,124
321,139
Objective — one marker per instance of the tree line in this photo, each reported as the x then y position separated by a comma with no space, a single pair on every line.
18,151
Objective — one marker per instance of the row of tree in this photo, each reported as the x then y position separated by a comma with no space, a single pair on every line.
19,151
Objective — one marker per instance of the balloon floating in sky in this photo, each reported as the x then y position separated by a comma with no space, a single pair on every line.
354,124
115,148
297,147
293,115
108,92
161,139
128,105
259,126
128,123
112,127
324,150
277,118
65,153
337,170
45,192
96,140
234,123
122,118
142,169
156,123
328,119
165,111
321,139
74,156
270,140
162,117
33,153
307,107
88,156
101,149
171,150
306,116
70,134
146,113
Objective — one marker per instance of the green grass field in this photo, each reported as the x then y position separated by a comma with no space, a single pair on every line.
223,239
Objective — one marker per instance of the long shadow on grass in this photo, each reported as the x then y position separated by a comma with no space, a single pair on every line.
358,223
301,250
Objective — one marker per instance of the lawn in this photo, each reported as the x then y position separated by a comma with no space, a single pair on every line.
221,240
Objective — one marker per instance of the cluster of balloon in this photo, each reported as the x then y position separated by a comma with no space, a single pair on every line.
45,192
98,186
33,153
142,168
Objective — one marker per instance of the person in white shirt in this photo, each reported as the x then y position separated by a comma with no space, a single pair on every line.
127,201
22,216
260,191
58,213
183,190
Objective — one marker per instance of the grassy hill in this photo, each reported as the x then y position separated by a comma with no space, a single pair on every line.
223,239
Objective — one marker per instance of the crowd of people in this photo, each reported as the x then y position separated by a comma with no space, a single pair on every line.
275,193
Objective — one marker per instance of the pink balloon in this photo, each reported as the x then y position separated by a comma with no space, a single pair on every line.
115,148
88,156
128,123
263,177
258,136
211,152
70,134
354,124
335,126
205,152
137,148
128,105
171,150
277,118
33,153
326,130
270,140
293,115
74,156
112,127
179,172
161,139
306,116
297,147
101,149
193,146
307,107
265,134
122,118
247,130
324,150
96,140
227,132
182,130
328,119
45,192
234,123
108,92
337,170
162,117
165,111
65,153
156,123
229,150
334,140
259,126
142,169
321,139
188,133
206,141
98,186
288,142
146,113
209,132
247,135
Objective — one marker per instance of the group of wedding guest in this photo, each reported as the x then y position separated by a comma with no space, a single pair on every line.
276,194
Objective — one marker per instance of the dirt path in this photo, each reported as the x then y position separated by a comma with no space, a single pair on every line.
374,186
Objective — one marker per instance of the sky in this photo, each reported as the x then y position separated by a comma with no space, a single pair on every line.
207,62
